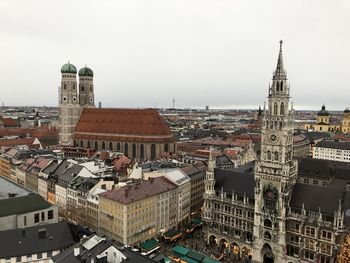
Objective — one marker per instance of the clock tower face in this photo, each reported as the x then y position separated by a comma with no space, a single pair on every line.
273,138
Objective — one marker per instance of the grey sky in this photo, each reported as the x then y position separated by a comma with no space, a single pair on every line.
219,53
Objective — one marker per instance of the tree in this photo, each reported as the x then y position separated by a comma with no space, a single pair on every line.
344,252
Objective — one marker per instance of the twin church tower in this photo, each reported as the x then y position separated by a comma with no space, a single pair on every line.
73,98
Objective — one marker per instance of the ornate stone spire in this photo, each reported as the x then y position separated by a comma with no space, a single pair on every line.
280,66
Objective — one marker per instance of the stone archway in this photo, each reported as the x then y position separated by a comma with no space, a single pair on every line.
267,254
223,246
212,240
235,249
246,251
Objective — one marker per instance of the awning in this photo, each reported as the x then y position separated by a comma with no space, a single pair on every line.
189,260
210,260
195,255
172,234
149,245
180,250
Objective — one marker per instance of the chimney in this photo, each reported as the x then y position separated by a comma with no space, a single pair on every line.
76,251
99,104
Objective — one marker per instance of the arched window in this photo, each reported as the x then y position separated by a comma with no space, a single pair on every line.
267,235
267,223
142,151
268,155
166,147
81,143
275,108
126,149
281,87
153,151
74,143
96,145
88,144
118,146
111,146
277,86
103,145
276,156
282,108
133,150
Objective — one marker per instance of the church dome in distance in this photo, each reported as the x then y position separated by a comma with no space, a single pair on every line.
68,68
323,112
85,71
347,110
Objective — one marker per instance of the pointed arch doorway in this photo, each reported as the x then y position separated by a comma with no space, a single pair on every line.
267,254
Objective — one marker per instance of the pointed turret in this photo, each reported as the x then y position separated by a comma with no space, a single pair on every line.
280,66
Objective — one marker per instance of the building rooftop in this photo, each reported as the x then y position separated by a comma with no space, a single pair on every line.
315,197
123,124
334,145
7,187
139,191
34,240
22,204
95,249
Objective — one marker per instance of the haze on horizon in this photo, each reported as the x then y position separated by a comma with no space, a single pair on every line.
144,53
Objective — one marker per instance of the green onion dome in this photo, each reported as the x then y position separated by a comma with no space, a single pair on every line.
86,72
68,68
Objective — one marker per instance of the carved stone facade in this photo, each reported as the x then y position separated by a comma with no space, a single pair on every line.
263,210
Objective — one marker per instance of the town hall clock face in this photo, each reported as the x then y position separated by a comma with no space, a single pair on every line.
273,138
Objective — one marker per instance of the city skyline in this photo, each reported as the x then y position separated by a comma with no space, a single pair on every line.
216,54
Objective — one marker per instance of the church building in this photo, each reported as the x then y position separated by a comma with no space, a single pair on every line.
138,133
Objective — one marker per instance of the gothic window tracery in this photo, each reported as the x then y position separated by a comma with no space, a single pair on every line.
282,108
268,155
276,156
275,109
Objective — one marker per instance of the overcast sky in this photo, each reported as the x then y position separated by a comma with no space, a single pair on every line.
219,53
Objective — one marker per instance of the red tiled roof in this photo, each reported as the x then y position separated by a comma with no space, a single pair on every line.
38,132
121,162
122,124
136,192
9,122
20,141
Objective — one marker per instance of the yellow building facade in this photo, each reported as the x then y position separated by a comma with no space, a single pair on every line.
324,123
132,214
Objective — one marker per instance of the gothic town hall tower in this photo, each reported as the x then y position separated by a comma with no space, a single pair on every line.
275,172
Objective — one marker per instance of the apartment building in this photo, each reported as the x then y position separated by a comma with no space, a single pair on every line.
332,150
137,212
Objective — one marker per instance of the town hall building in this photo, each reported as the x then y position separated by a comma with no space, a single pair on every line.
278,209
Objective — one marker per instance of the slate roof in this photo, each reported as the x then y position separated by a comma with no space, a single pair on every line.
193,172
223,160
22,204
14,243
334,145
323,169
122,125
238,181
314,168
314,197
